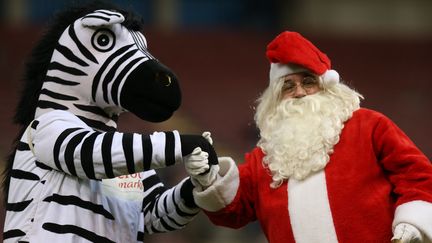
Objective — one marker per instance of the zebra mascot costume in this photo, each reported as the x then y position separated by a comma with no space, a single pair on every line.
73,177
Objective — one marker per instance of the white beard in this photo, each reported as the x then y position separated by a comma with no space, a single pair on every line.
300,134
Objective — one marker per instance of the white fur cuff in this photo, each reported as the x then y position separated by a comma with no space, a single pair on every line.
223,190
418,214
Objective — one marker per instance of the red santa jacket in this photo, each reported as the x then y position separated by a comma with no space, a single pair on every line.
376,177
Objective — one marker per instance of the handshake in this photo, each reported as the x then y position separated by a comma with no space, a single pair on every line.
202,170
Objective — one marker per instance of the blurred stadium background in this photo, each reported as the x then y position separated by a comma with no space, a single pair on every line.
382,48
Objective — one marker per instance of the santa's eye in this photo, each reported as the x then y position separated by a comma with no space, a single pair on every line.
288,85
103,40
309,81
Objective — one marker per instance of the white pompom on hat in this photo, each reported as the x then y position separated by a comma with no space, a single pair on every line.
291,53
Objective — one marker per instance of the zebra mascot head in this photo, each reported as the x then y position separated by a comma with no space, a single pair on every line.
98,67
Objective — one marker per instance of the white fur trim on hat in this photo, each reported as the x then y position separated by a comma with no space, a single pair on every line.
330,77
278,70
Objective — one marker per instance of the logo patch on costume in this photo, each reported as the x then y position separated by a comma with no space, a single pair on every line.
129,187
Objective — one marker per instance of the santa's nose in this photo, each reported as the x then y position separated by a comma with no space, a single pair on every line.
299,92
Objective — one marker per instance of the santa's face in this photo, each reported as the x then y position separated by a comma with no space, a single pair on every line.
298,85
298,134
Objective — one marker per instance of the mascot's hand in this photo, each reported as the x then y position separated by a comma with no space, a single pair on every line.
197,166
190,142
207,136
406,233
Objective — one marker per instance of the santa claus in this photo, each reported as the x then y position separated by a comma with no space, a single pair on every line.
324,169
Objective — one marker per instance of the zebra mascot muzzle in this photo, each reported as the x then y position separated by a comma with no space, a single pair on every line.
72,177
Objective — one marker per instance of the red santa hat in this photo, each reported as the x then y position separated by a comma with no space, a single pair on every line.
291,53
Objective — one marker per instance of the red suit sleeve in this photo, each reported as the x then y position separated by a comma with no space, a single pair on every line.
408,169
241,210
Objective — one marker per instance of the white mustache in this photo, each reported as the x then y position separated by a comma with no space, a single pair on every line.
297,106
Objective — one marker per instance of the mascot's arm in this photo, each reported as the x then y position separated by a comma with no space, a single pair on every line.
64,142
167,209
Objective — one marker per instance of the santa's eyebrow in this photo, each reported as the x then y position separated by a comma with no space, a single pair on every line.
309,75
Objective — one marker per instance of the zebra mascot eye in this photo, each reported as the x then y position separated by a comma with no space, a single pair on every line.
103,40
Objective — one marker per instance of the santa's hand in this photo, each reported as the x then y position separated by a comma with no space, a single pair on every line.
406,233
197,166
197,162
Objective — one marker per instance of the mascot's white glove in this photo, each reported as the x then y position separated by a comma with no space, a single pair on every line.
207,136
197,166
406,233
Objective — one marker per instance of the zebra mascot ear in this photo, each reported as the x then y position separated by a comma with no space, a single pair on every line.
102,17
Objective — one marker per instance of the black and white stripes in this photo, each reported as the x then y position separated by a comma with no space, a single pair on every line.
83,152
71,174
167,211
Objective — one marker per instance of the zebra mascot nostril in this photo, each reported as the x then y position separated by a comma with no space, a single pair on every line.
72,176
